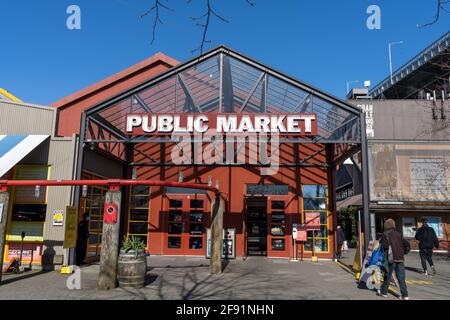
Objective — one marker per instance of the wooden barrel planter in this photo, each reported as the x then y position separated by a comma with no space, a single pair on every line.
132,269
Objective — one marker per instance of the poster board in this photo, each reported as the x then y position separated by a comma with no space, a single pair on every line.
312,220
70,234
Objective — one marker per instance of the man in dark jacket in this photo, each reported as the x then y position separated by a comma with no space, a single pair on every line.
340,241
427,240
82,239
394,246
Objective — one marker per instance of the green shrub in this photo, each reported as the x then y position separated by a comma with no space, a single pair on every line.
133,244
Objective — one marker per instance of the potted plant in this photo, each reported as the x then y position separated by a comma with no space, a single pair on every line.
132,263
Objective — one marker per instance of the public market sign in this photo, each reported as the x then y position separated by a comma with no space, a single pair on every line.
298,124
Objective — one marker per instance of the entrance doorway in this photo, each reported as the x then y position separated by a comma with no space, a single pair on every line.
256,216
186,219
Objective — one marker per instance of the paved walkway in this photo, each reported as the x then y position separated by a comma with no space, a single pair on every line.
419,285
189,278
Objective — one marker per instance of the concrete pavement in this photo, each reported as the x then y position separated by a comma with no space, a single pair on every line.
421,287
188,278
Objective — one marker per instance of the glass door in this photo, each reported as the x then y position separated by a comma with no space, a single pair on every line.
187,217
277,222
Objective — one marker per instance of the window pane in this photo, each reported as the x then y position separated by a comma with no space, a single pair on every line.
138,228
144,190
29,212
175,203
174,242
175,216
277,230
196,203
196,228
139,201
139,214
195,243
314,191
278,244
314,204
175,228
277,204
323,218
267,189
408,224
278,218
321,245
196,216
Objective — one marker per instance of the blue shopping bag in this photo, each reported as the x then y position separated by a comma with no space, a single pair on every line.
377,257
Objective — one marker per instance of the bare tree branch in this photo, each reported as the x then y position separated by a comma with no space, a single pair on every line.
202,21
156,6
205,25
440,6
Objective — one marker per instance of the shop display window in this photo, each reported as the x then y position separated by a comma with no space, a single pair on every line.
195,243
315,199
138,213
277,224
29,212
278,244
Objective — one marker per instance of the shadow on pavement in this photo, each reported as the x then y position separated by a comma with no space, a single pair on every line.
16,277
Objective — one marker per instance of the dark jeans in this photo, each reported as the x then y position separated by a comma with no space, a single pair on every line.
399,268
339,250
81,251
425,255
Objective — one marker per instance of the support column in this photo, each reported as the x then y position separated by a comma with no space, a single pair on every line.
217,209
107,278
365,179
4,201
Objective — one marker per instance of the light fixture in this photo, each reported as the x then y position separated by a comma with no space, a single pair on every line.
84,191
134,173
217,184
180,176
37,191
390,202
210,181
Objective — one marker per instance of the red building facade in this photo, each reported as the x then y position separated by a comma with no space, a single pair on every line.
261,209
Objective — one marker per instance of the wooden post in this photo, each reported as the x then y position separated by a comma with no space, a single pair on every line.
217,209
4,200
107,278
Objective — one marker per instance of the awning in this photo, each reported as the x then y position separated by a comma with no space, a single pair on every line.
353,201
14,148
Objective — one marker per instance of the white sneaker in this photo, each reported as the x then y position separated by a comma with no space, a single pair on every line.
405,298
433,270
381,294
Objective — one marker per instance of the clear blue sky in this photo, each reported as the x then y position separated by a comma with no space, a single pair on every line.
325,43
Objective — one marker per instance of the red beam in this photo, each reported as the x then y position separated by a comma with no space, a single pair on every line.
113,184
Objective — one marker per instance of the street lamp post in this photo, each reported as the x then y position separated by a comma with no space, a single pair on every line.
390,58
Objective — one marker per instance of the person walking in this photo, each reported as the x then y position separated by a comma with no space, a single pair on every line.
340,241
427,240
395,247
82,239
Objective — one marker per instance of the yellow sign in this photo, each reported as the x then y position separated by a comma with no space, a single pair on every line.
70,234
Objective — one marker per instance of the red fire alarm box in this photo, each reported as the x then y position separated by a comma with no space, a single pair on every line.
110,213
